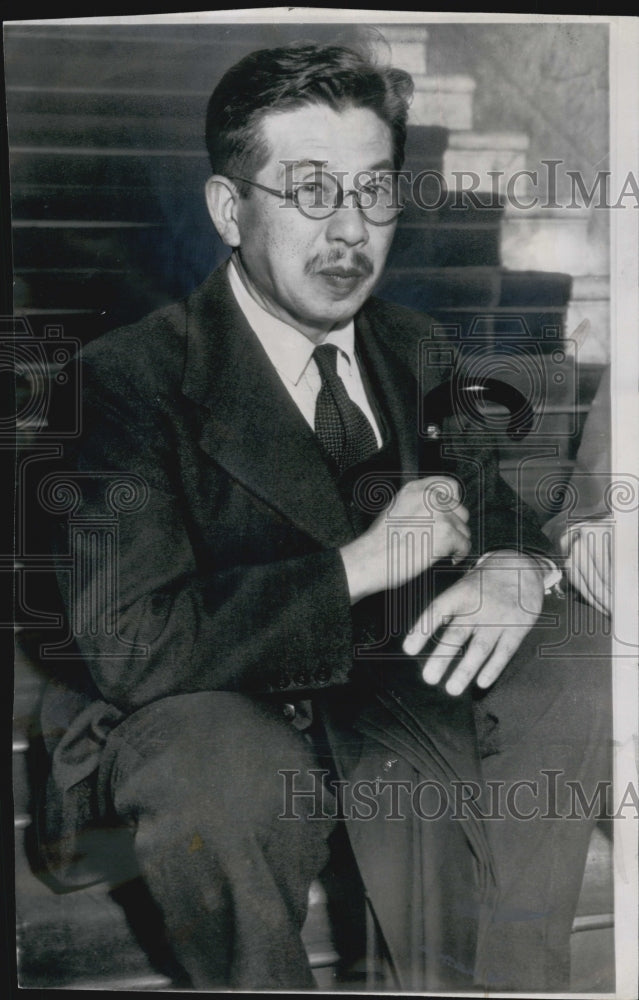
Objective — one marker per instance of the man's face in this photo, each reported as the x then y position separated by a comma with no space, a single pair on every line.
315,273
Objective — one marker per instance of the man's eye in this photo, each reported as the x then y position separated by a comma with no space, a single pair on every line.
380,184
312,194
309,187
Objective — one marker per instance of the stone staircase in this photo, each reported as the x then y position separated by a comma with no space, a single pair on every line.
107,172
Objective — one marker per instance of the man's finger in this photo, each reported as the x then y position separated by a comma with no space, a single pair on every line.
448,646
480,649
460,552
437,613
494,665
461,526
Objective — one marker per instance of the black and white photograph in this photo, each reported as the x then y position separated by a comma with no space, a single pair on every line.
324,345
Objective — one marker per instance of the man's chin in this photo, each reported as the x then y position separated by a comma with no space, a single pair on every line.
344,309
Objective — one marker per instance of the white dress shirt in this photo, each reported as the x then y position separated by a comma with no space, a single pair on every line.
291,354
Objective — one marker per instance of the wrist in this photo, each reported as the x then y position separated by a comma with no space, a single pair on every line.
547,571
357,569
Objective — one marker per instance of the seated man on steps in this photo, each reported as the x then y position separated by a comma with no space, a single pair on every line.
306,585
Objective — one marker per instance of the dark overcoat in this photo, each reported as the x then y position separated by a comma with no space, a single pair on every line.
228,570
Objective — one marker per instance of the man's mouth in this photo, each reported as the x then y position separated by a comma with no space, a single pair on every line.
345,273
341,282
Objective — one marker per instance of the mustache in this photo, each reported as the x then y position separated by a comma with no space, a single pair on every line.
357,260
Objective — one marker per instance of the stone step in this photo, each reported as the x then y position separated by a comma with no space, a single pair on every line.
111,106
75,267
480,286
440,207
425,146
68,939
445,245
592,961
109,167
534,288
53,129
142,57
592,944
597,895
404,45
480,154
442,289
443,100
506,305
590,300
101,936
551,239
41,202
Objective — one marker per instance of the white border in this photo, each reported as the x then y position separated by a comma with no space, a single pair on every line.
624,270
322,15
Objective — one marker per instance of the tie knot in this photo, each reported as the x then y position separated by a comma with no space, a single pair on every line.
343,430
326,359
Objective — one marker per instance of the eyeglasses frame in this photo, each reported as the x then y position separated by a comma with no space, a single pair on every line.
291,195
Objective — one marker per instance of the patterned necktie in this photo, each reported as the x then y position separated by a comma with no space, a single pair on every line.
340,425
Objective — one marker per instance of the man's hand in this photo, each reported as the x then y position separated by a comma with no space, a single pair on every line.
587,548
486,615
431,524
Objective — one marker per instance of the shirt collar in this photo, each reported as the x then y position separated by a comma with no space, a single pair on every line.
288,350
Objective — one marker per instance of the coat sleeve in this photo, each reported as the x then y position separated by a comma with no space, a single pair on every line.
164,623
499,518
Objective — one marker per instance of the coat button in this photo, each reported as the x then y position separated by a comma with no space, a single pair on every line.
288,710
283,681
301,678
322,675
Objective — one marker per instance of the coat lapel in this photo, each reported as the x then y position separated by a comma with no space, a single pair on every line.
254,429
252,426
394,389
390,347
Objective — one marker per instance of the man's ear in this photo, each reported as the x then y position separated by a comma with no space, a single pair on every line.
221,199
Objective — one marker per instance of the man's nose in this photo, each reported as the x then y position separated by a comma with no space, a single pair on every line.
348,223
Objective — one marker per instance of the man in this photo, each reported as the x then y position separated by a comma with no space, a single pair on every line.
281,621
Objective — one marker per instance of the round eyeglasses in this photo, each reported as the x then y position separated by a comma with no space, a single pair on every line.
321,196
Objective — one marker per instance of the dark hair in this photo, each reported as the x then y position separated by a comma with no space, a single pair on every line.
290,77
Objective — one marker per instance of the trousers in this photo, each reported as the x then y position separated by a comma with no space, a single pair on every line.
200,781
